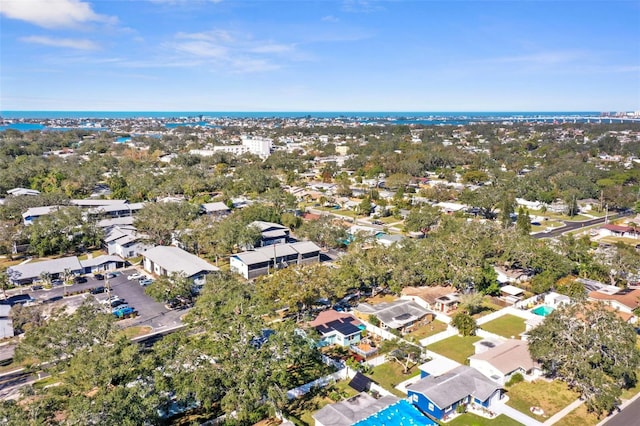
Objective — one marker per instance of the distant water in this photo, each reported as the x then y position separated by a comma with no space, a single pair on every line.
286,114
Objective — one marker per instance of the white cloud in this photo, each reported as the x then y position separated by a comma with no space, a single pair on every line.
330,18
53,13
81,44
234,52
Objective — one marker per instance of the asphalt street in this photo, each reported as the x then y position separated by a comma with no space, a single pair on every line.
630,416
570,226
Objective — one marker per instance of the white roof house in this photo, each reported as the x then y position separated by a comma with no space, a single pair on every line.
28,272
505,360
165,260
251,264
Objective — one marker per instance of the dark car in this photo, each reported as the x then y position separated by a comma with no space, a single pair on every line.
57,282
98,290
98,277
36,287
80,280
117,302
18,299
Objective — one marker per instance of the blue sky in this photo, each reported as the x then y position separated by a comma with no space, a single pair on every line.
324,55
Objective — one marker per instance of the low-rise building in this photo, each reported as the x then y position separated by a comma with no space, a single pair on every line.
439,396
337,328
261,261
27,273
503,361
168,260
400,315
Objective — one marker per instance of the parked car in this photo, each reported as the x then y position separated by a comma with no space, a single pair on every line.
98,290
119,308
145,282
36,287
128,311
57,281
117,302
18,299
79,280
135,276
112,275
98,277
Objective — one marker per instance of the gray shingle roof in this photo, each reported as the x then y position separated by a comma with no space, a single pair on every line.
32,270
455,385
395,314
174,259
263,226
99,261
352,410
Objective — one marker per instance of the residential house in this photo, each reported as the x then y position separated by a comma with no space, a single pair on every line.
352,410
503,361
6,323
26,273
428,297
253,263
511,294
440,396
124,241
167,260
22,191
437,367
625,300
400,315
388,240
448,302
217,209
337,328
619,231
34,213
272,233
512,275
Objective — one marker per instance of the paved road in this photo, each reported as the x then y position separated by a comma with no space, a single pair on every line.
629,416
570,226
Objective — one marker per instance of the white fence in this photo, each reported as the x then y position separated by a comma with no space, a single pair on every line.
318,383
450,331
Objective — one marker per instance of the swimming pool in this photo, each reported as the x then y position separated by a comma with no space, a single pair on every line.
543,310
402,413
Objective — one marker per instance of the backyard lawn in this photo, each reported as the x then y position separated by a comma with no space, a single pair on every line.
550,396
457,348
579,417
469,419
509,326
434,327
390,374
300,409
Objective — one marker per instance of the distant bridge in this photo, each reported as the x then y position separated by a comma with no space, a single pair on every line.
574,119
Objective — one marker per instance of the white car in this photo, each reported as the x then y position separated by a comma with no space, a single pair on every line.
135,276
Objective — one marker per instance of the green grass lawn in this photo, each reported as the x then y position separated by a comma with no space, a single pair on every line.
301,409
434,327
550,396
469,419
487,307
506,326
579,417
457,348
390,374
614,240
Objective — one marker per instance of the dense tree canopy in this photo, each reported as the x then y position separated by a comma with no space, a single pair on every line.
590,348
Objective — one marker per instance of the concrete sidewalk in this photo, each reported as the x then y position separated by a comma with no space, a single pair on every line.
566,410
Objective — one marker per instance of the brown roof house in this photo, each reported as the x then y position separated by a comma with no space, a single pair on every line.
503,361
622,299
437,297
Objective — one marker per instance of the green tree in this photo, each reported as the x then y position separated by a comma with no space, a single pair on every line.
402,352
590,348
471,303
465,324
167,288
523,223
423,218
159,221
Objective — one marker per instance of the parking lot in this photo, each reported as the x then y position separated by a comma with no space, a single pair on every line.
149,312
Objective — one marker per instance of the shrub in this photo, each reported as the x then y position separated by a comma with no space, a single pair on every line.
516,378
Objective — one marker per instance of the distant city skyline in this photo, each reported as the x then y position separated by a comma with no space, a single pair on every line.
347,55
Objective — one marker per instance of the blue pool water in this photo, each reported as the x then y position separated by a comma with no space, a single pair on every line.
543,310
402,413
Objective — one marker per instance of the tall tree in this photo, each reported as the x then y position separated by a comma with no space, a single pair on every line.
590,348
